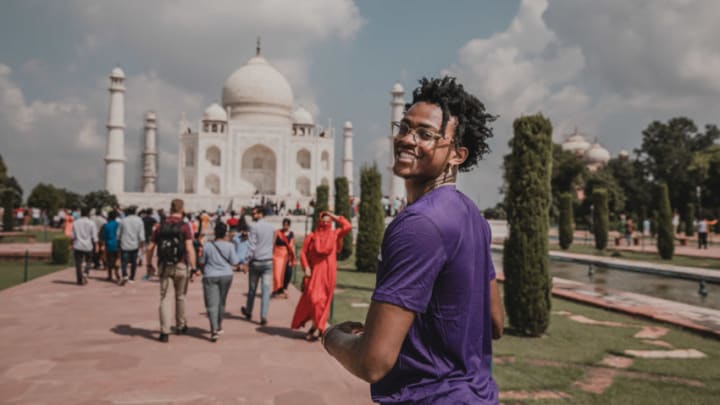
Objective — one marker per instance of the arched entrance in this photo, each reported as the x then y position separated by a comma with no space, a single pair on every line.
259,167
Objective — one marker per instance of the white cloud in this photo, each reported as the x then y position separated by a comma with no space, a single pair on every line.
187,37
608,67
68,135
176,54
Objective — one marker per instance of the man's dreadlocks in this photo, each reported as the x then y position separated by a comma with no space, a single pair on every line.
473,122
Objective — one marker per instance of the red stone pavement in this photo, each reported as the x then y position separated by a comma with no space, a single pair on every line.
66,344
36,251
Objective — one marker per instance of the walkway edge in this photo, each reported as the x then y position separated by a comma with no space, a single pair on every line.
639,312
683,272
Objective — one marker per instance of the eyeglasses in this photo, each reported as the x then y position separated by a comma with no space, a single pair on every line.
421,134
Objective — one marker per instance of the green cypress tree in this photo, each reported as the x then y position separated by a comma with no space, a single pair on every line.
342,207
527,201
666,236
689,220
654,223
322,193
371,223
8,197
565,225
601,220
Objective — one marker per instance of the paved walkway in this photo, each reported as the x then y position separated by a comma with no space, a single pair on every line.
65,344
16,251
648,245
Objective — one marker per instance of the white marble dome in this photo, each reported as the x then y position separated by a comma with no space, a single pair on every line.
597,154
117,73
397,88
215,113
348,125
576,143
257,83
302,116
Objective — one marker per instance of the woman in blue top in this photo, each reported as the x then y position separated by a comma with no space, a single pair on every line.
217,261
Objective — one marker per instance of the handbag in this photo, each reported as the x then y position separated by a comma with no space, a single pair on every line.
221,254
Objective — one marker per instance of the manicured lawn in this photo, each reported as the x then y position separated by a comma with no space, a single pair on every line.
557,361
712,264
12,272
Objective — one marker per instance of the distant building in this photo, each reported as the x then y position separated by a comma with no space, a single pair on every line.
594,155
257,142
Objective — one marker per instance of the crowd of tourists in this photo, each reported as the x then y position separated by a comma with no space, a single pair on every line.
178,248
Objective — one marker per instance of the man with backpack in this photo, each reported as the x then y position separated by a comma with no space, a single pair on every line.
176,261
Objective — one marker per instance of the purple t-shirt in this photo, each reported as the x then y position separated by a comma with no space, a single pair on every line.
435,261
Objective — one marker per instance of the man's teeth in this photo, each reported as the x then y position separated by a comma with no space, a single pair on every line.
406,155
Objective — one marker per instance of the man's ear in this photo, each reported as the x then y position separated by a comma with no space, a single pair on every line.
459,155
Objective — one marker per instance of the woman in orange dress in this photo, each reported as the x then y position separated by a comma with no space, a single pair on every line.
283,258
68,224
318,258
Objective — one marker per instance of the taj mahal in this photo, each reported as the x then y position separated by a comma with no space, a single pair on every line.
256,142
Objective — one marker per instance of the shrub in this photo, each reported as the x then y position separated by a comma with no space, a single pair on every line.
600,218
8,206
371,221
342,207
666,236
654,223
689,220
321,203
565,225
527,201
60,250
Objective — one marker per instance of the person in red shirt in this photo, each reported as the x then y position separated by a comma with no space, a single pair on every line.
232,222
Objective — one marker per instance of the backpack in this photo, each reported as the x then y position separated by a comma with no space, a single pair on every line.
171,243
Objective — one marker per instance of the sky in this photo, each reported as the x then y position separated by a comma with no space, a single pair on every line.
606,67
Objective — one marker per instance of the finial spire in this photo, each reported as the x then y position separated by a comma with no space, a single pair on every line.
257,48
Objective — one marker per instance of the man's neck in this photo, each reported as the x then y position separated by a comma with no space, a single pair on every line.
415,189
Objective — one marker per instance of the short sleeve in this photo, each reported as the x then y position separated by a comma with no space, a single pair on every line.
411,259
488,250
233,256
187,231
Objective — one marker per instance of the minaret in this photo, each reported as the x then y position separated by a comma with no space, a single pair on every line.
348,155
397,184
115,156
150,154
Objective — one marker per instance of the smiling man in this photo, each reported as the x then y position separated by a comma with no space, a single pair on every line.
436,307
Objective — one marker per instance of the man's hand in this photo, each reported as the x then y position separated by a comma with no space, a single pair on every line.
244,268
193,274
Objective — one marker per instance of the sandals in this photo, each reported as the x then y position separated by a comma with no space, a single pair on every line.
311,336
